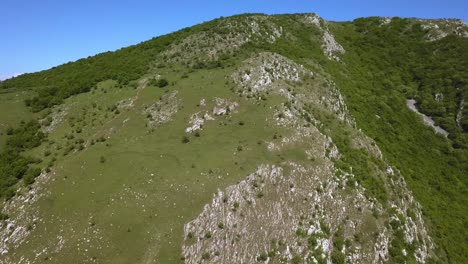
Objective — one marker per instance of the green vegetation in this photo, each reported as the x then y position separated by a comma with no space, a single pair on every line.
13,165
159,82
380,74
384,65
91,186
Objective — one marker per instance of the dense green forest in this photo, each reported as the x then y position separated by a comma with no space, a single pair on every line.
384,65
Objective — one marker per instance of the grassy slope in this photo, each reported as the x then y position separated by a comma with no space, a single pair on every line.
121,197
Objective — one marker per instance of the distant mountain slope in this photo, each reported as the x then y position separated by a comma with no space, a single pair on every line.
252,138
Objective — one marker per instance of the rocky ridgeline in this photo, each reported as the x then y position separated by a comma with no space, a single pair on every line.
272,73
308,212
440,28
225,38
331,48
229,35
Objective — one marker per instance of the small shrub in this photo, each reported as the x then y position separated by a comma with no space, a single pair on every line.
3,216
185,140
300,232
161,83
262,257
102,159
338,257
296,260
31,175
324,227
206,256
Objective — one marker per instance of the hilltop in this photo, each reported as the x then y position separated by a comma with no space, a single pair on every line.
252,138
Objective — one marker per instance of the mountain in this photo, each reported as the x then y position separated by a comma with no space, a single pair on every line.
252,138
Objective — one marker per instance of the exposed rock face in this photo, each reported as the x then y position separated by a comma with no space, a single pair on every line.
260,72
309,212
53,120
13,232
221,107
440,28
162,111
331,48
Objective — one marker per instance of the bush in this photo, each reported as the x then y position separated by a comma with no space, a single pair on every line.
185,140
206,256
338,257
159,82
102,159
4,216
262,257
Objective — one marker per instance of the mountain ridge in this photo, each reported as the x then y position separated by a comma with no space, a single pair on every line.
298,76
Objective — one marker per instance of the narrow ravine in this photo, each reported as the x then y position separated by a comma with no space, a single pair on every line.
411,103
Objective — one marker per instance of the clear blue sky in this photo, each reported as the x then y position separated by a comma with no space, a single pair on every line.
38,34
